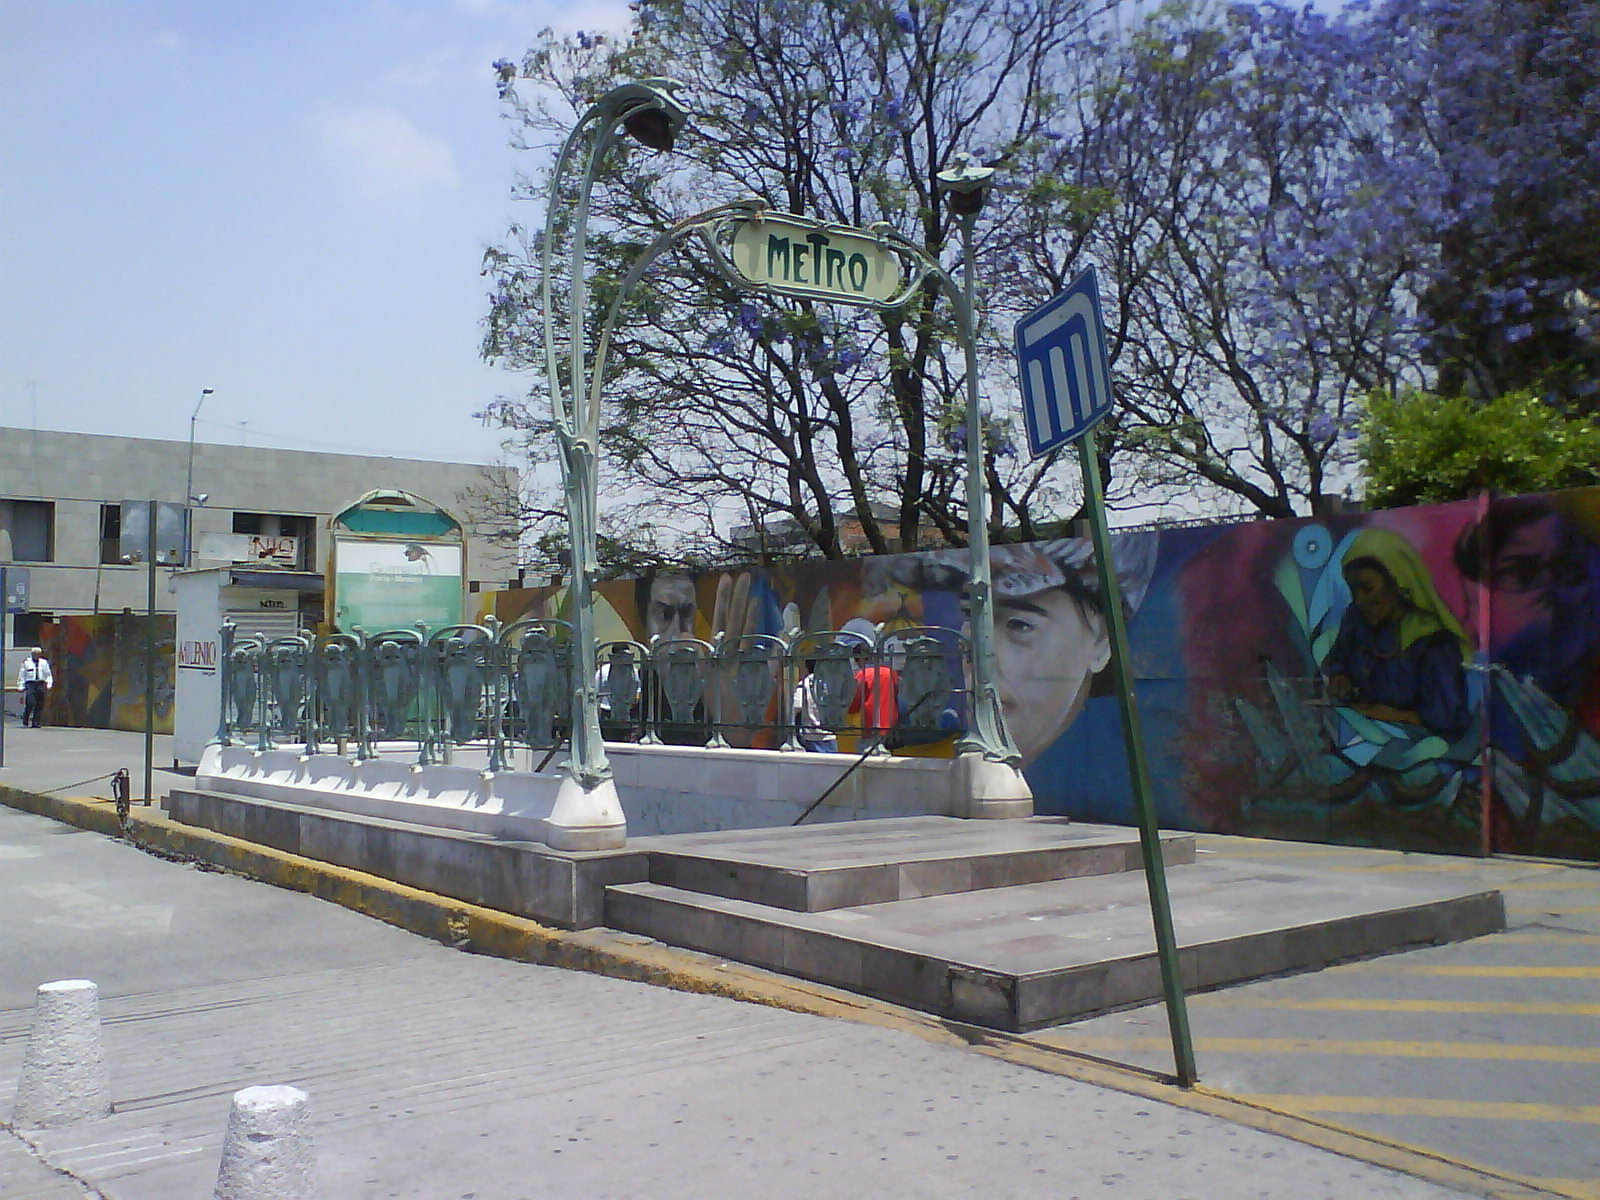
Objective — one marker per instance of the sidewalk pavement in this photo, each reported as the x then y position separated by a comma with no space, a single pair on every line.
465,1052
80,762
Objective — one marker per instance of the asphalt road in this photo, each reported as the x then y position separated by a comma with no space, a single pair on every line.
436,1074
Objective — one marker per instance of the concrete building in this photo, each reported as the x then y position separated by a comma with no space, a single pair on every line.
61,497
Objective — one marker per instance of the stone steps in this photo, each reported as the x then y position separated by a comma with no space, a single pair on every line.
1025,954
844,865
1014,924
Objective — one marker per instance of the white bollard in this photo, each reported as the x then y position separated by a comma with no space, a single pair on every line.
63,1078
268,1152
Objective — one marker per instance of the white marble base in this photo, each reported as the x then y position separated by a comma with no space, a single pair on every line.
654,790
584,820
515,805
989,790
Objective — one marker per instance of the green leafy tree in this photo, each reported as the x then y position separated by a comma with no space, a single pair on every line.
1419,448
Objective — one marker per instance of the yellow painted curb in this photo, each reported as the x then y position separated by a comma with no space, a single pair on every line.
605,952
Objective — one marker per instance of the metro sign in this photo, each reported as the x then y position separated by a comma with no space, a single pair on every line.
1063,366
796,256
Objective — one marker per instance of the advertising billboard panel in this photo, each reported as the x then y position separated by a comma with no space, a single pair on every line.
381,584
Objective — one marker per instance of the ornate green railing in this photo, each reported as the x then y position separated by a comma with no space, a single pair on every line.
508,687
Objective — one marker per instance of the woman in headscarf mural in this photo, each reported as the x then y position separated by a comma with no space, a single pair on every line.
1400,652
1376,733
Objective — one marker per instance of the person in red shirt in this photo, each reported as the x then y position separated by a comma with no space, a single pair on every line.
876,699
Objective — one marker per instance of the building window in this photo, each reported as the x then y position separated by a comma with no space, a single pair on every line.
30,628
272,534
31,525
304,531
111,533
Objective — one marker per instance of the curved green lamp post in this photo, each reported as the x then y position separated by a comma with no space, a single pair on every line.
966,186
588,815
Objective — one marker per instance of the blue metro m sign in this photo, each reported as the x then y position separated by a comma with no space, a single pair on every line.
1063,366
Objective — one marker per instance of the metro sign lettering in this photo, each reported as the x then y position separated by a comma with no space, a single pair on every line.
829,268
1063,366
793,255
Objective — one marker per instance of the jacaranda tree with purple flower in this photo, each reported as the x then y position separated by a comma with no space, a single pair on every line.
1493,170
722,402
1292,209
1252,300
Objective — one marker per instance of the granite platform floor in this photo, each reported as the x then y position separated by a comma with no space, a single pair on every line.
860,843
1033,928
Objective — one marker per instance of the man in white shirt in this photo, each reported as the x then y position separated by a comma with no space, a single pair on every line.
34,681
813,735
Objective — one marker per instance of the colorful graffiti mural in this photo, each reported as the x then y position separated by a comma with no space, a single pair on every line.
1423,678
1420,678
99,665
1358,706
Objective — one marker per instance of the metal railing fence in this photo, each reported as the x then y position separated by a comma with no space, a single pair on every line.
504,687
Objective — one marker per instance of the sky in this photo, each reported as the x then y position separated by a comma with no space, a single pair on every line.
285,202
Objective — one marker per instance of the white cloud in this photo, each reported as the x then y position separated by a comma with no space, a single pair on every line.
381,155
169,42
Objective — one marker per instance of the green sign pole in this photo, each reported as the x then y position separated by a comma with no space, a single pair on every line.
1155,870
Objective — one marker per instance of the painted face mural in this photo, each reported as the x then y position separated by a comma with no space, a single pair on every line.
1536,561
1540,584
1048,647
669,608
1374,594
1051,638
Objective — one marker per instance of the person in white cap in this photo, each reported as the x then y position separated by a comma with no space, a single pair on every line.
33,681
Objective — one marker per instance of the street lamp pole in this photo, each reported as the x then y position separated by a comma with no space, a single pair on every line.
967,187
152,555
587,812
188,485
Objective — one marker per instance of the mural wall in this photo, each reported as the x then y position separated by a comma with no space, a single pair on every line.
1424,678
99,668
